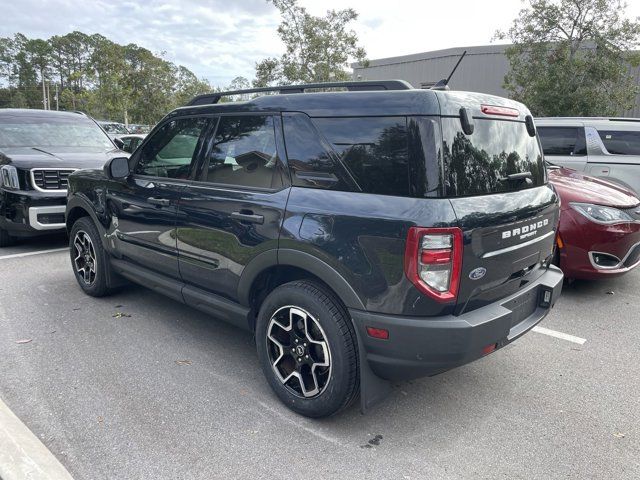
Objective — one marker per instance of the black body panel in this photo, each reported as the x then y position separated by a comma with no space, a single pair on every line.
144,210
218,236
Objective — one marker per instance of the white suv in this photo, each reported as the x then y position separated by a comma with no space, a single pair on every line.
603,147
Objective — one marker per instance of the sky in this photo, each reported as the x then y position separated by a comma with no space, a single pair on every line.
222,39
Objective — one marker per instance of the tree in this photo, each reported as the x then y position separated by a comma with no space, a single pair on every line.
96,75
573,57
317,49
187,86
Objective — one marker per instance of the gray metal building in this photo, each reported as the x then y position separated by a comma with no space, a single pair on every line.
482,70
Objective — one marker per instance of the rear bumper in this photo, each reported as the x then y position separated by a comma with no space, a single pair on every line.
419,346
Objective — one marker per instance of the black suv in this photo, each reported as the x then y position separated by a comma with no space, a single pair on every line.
375,234
38,151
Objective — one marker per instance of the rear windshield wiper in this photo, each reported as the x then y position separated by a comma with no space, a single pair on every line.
514,177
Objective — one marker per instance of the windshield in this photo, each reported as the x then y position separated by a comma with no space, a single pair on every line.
499,156
20,131
114,128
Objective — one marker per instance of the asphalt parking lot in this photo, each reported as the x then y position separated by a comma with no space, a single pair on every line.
139,386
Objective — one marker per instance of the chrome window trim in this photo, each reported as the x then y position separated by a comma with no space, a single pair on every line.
48,190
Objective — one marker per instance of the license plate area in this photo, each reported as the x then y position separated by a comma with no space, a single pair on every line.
522,306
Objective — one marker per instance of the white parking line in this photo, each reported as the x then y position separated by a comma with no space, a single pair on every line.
28,254
22,455
560,335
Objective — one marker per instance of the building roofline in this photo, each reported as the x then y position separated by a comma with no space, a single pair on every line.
496,49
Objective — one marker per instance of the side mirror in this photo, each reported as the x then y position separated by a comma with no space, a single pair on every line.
119,143
117,168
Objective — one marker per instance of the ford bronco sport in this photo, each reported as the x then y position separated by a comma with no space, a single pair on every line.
375,234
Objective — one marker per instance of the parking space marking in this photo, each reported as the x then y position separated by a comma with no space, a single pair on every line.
560,335
28,254
22,455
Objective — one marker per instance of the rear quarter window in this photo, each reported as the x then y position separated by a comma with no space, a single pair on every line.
621,142
479,163
373,149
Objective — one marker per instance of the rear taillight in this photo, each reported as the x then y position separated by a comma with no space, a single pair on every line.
433,261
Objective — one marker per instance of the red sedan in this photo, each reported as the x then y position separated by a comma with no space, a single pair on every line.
599,232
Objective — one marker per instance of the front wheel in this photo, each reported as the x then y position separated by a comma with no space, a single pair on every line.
307,348
88,258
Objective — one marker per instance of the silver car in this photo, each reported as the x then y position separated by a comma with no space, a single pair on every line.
602,147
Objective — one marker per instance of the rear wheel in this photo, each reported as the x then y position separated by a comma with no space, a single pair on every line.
307,348
88,258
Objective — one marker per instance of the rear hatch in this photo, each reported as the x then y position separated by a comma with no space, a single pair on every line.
496,182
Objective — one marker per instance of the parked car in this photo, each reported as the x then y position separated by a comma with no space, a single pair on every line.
38,151
599,232
607,148
113,129
130,142
140,129
401,233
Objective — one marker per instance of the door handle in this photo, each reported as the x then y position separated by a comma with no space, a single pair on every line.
248,217
159,202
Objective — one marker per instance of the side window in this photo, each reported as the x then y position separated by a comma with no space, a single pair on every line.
621,142
373,149
311,160
244,153
568,141
171,150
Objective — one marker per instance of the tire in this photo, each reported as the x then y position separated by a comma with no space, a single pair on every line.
290,315
6,240
85,250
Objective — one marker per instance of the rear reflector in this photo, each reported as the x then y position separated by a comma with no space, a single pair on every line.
489,349
502,111
380,333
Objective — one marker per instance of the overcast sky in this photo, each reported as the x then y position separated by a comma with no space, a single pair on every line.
221,39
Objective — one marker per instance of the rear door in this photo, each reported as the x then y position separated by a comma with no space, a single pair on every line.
616,153
234,209
496,181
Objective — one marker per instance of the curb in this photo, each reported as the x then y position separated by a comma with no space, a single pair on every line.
22,455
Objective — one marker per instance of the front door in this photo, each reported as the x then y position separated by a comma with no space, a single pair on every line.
146,204
234,209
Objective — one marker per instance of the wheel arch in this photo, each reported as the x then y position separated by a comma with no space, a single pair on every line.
78,207
275,267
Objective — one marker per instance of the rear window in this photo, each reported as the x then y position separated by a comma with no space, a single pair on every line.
563,140
480,163
621,142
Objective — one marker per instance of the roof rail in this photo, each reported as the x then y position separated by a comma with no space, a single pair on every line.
365,85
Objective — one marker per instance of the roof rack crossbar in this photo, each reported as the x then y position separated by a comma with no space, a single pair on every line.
366,85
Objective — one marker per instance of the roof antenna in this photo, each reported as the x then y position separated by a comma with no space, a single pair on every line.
444,83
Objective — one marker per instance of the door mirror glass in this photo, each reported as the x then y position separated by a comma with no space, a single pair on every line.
118,167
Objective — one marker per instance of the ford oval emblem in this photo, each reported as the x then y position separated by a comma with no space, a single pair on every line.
477,273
